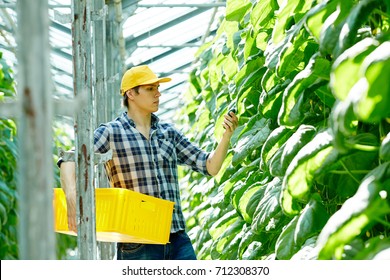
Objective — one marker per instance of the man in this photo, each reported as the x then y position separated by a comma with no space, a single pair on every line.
146,153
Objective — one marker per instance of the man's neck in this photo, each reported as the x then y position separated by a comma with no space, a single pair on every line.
141,120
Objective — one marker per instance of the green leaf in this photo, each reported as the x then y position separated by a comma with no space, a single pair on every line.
287,16
317,16
262,14
343,124
330,31
245,199
252,252
271,98
229,242
285,245
306,252
295,56
302,227
300,138
247,237
223,223
274,141
311,161
251,142
254,201
356,18
269,80
290,113
373,101
384,151
376,248
226,244
249,76
236,10
268,206
346,70
357,213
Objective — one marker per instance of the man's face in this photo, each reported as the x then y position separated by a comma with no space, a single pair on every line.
148,97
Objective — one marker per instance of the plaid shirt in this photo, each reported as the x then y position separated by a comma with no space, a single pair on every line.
148,166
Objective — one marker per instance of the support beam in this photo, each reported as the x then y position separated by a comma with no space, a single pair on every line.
81,42
35,178
200,5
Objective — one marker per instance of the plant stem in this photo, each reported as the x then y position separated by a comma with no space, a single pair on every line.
383,222
365,148
349,172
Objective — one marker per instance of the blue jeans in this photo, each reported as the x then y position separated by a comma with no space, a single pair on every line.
178,248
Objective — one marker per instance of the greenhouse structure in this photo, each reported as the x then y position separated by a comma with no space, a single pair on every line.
307,173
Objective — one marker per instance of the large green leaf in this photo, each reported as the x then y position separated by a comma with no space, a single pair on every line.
236,10
317,16
287,16
300,138
331,28
223,223
311,161
225,246
274,141
373,91
245,199
346,70
343,124
355,19
262,14
295,56
268,208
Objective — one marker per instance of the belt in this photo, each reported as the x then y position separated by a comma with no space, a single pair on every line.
171,236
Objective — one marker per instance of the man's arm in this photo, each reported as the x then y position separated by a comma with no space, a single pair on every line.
68,184
217,157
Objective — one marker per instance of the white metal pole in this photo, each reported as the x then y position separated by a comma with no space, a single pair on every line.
84,126
35,179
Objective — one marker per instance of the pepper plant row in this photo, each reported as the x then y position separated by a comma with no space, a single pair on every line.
308,174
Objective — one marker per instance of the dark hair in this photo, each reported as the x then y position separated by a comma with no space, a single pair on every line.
125,98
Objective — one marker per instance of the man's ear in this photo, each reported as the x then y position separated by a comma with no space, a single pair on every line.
130,94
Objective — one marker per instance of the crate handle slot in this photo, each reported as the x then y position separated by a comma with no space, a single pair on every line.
148,205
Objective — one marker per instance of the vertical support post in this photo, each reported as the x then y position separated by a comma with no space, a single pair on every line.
106,249
35,179
115,65
84,125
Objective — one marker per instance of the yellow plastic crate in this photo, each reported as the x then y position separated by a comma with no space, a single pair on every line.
122,216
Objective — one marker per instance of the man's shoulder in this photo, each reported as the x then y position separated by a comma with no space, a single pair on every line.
167,127
115,123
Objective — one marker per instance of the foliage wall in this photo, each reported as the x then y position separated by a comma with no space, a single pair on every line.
308,173
8,159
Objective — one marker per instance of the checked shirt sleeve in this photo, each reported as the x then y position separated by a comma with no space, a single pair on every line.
102,139
190,154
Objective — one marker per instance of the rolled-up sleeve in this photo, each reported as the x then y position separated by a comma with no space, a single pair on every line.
101,139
